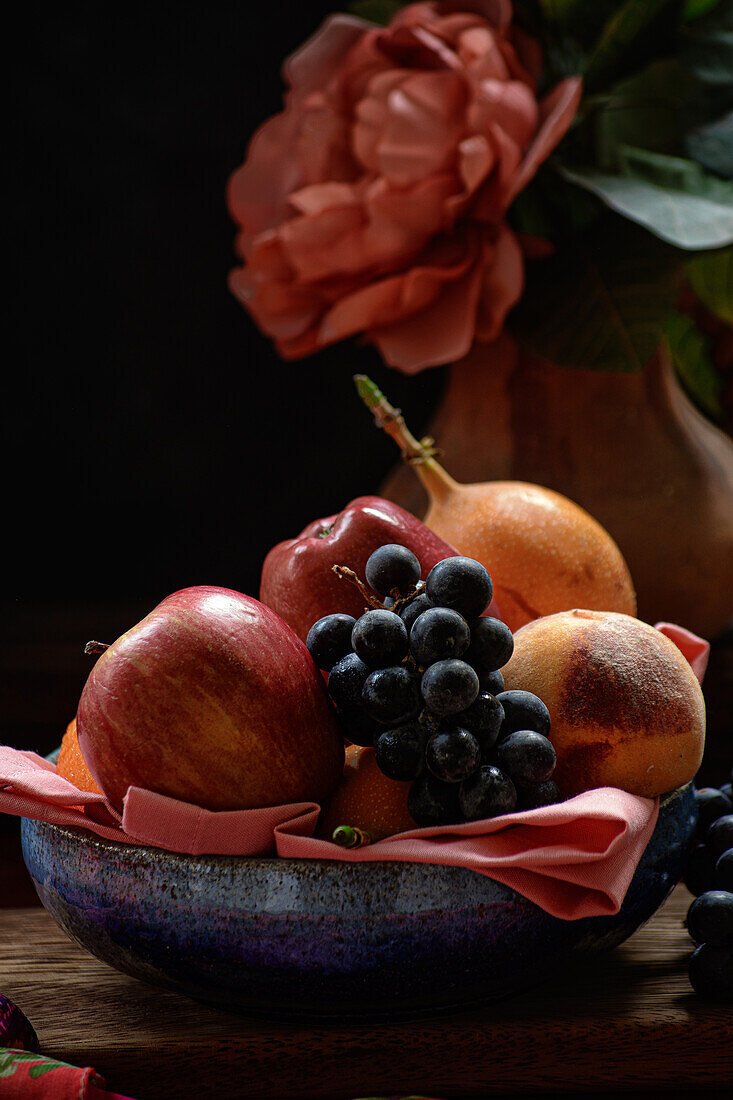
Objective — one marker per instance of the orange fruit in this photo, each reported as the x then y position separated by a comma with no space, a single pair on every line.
71,763
626,709
366,799
544,552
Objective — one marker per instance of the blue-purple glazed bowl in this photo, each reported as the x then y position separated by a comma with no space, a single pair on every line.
321,938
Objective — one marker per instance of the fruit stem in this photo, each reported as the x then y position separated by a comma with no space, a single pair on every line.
418,453
96,647
345,574
348,836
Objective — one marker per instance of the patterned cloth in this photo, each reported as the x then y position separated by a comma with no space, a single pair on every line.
25,1075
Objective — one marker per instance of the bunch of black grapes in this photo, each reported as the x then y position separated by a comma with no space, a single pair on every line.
417,676
709,876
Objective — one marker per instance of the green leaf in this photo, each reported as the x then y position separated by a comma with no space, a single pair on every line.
691,358
644,111
601,302
376,11
693,9
614,50
672,197
711,277
711,145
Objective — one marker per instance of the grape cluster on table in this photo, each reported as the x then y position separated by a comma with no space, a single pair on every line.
709,876
419,678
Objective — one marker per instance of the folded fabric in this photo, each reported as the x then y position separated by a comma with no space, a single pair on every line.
574,859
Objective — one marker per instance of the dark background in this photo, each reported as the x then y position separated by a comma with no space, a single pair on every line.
152,438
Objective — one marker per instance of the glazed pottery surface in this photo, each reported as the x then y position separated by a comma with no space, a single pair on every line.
316,938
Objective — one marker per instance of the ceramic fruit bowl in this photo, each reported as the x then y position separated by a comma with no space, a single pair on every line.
319,938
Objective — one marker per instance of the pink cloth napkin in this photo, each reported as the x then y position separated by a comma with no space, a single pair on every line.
574,859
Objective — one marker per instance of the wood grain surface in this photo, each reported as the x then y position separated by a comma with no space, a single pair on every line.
625,1023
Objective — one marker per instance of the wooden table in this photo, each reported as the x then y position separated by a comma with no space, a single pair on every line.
626,1023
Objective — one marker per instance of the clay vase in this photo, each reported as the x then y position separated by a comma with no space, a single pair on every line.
630,448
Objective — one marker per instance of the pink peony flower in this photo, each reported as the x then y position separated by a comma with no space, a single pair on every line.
375,202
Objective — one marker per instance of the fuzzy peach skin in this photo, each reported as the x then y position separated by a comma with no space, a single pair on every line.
626,708
375,202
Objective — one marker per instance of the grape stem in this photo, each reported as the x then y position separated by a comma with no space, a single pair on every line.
346,574
418,453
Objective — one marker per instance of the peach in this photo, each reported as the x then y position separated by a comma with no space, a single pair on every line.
627,710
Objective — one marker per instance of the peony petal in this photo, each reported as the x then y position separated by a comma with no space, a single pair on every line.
370,117
314,64
321,144
479,51
476,158
502,284
557,111
257,193
492,201
424,124
322,196
281,310
442,333
398,296
416,48
508,104
309,240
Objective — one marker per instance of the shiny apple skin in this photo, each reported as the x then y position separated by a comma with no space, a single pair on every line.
214,700
297,577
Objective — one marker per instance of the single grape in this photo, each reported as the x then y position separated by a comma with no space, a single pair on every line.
461,583
437,634
724,871
380,638
492,644
720,835
483,718
431,802
449,686
710,919
543,794
699,873
493,682
359,727
487,793
391,694
452,755
711,804
346,680
415,607
523,711
400,752
527,757
329,639
392,566
710,972
727,790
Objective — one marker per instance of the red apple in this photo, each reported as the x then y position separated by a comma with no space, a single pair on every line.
298,581
214,700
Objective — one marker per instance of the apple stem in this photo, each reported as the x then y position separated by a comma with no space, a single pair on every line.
96,647
418,453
